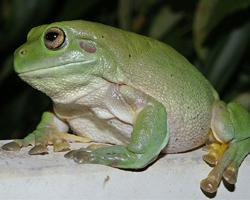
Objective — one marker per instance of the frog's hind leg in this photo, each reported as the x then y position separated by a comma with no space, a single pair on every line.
230,125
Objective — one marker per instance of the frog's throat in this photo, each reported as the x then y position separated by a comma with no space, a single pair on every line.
54,67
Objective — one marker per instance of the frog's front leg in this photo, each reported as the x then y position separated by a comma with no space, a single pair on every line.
149,136
50,130
230,125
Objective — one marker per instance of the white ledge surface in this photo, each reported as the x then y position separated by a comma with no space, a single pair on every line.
51,176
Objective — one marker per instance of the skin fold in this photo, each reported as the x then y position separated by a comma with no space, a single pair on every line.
135,96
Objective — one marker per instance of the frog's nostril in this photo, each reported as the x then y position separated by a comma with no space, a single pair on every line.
22,52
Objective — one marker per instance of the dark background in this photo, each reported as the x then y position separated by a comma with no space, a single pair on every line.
213,35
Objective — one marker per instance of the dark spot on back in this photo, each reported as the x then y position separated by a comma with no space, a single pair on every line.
129,55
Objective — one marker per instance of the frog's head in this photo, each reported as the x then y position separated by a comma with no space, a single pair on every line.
61,57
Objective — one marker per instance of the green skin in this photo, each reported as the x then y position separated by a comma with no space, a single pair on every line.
98,73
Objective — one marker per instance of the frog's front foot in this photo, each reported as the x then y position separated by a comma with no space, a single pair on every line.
114,156
41,140
46,133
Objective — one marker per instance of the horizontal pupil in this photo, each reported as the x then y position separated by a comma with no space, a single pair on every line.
51,36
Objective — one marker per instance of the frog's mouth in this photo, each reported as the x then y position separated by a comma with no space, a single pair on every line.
47,70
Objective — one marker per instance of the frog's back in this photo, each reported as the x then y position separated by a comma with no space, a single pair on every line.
161,72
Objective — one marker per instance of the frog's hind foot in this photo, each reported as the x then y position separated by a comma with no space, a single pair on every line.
227,166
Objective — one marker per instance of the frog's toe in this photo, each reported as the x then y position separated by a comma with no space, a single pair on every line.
215,152
17,144
61,145
11,146
230,174
210,159
241,150
210,184
83,155
70,154
39,149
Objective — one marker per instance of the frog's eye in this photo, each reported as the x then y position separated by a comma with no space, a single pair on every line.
54,38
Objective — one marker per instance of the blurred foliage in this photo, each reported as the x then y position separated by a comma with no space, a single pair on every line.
212,34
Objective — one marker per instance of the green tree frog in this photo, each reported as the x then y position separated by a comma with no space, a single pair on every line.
134,96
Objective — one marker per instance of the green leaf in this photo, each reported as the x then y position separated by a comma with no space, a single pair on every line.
163,22
209,14
244,100
124,14
223,60
73,9
7,68
22,15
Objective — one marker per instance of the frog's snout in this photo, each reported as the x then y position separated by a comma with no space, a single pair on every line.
21,52
19,58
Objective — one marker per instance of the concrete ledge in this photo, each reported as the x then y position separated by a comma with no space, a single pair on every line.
54,177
